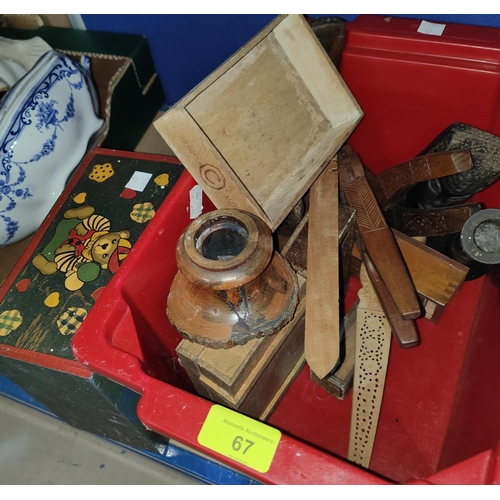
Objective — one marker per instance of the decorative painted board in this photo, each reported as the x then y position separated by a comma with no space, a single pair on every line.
89,233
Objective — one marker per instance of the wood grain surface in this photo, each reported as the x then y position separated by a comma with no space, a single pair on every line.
257,132
373,343
322,300
392,184
376,235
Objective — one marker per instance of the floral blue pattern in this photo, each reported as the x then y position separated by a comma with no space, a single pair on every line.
39,109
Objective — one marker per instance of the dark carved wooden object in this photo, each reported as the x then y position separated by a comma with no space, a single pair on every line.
456,189
391,186
437,222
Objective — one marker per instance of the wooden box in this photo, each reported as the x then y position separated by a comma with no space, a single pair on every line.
115,194
258,131
253,377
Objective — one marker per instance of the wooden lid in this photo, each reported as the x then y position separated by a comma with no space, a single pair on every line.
258,131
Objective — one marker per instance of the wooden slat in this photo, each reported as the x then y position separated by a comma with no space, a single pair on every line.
322,299
377,238
405,330
339,383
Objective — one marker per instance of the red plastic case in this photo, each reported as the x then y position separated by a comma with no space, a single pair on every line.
441,403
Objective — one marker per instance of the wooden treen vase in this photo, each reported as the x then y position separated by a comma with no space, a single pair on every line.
231,286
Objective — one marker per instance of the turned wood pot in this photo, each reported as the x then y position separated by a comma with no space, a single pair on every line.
231,286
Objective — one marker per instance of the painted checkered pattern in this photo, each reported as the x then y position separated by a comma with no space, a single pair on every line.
9,321
69,322
142,212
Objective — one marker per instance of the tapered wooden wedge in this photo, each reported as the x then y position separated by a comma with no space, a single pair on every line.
322,300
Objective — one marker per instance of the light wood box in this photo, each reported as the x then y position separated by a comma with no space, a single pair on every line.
251,378
258,131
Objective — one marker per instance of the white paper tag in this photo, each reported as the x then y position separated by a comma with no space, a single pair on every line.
195,202
431,28
139,181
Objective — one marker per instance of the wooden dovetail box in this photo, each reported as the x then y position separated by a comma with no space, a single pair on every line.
258,131
253,377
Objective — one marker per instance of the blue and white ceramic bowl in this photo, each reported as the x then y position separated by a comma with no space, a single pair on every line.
48,119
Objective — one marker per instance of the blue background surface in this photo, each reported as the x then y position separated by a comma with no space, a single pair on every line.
182,460
188,47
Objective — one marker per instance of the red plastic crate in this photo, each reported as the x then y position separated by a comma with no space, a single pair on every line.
439,417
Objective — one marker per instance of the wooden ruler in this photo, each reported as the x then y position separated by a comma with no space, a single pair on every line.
322,345
373,341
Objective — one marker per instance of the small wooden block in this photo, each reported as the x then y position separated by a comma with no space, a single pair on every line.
436,277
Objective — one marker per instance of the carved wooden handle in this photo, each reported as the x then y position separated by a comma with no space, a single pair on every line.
392,184
377,238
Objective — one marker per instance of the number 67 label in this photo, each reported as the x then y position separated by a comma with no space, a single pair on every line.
240,438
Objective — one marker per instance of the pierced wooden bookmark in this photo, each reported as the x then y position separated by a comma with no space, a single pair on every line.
373,342
322,322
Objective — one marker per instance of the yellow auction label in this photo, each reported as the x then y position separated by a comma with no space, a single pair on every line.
240,438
